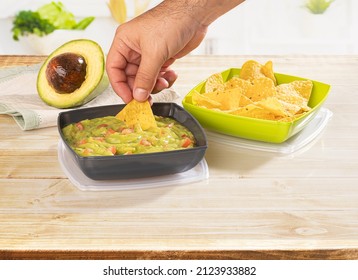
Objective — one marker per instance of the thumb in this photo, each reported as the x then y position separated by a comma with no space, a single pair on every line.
146,77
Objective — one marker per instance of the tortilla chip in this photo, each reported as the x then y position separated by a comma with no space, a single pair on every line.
267,70
254,111
288,93
236,82
292,109
252,70
214,82
304,88
261,88
244,101
204,101
138,113
273,105
228,99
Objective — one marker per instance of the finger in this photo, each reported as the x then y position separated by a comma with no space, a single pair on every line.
146,77
118,80
116,64
160,84
171,76
165,80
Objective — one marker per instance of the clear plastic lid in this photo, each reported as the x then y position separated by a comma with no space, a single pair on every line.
71,169
292,145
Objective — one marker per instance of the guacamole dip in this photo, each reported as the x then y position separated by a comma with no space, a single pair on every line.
110,136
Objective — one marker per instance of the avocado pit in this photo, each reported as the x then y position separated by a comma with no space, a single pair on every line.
66,72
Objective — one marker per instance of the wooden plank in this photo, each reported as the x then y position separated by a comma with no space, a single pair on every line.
258,215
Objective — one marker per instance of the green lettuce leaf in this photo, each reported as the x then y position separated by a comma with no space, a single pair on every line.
58,15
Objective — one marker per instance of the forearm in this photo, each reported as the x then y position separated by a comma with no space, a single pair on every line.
203,11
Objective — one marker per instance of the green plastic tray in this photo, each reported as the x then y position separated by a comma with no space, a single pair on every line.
251,128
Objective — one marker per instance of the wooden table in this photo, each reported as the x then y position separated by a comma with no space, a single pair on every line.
253,206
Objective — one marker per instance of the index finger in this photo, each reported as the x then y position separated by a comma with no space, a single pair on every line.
115,67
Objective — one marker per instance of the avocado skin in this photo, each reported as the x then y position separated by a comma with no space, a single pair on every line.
95,83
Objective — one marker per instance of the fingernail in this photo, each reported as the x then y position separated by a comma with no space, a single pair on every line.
140,94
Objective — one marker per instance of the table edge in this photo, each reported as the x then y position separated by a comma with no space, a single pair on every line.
322,254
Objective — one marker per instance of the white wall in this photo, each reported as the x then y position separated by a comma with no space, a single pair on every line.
285,27
255,27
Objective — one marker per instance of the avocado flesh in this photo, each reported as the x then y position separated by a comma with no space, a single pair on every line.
94,83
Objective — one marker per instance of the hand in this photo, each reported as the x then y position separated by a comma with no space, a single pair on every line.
143,49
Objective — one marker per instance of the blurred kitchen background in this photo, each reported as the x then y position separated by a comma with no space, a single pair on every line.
255,27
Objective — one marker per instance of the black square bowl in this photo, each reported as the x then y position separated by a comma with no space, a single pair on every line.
137,165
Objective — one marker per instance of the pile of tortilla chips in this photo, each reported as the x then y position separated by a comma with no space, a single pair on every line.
255,93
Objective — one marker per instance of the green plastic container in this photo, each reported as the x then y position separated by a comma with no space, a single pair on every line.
251,128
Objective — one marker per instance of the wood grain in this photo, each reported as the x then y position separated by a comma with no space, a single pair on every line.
181,255
19,60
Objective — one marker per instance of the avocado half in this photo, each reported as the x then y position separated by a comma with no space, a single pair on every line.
73,74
